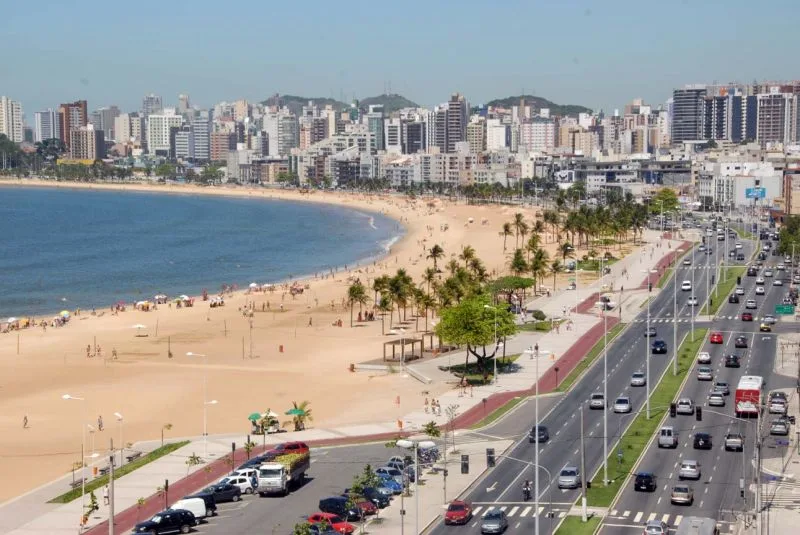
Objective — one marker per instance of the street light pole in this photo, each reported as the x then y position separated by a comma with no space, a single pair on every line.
407,444
205,400
68,397
647,345
494,377
675,312
119,418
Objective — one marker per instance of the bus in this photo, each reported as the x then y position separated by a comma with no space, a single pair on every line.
749,395
697,525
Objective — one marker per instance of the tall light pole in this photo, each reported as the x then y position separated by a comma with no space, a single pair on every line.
408,444
206,403
120,419
535,353
496,345
678,252
68,397
647,345
694,268
605,378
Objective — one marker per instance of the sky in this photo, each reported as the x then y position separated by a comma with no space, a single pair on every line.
598,53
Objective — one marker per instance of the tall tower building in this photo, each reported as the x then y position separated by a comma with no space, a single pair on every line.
457,115
86,143
103,119
160,137
45,125
183,104
11,119
687,113
151,104
201,129
777,118
71,116
375,124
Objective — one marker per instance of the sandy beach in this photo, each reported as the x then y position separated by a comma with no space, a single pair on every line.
297,353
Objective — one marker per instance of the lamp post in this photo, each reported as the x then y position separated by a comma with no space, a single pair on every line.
120,419
68,397
206,403
496,345
549,491
205,424
646,346
675,313
602,305
409,444
535,353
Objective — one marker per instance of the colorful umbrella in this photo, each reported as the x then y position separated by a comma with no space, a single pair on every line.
254,417
296,412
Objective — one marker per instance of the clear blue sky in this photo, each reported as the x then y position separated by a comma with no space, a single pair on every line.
600,53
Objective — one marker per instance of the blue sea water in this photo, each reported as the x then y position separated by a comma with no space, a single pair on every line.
62,248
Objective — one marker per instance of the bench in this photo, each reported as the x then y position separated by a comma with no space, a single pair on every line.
133,456
105,470
77,483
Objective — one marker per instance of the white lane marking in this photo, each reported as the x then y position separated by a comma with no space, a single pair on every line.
513,511
651,517
665,519
477,510
486,512
678,520
626,514
526,511
638,517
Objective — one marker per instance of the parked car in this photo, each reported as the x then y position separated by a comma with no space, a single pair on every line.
777,406
337,523
244,483
684,406
715,399
340,506
196,506
638,379
224,492
704,373
690,469
622,405
659,347
208,498
597,401
645,482
702,441
169,521
704,357
667,437
734,442
538,434
371,494
389,482
681,495
569,478
394,473
288,447
458,512
495,521
779,427
716,338
740,342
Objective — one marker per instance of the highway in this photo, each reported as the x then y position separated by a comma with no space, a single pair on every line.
501,487
717,493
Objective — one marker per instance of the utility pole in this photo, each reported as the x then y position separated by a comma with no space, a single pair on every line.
584,511
111,490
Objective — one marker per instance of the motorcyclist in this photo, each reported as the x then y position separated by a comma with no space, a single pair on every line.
526,489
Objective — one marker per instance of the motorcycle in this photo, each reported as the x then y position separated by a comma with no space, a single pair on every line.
526,494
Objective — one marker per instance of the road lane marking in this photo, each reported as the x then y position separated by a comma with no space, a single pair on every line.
526,511
651,517
486,512
626,514
513,511
678,520
638,517
665,519
477,510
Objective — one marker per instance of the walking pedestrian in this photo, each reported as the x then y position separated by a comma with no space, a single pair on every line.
100,423
426,405
25,422
105,495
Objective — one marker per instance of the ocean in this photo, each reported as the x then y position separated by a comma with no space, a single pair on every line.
67,249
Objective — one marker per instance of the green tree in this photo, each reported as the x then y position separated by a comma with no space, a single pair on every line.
507,231
384,306
475,323
666,197
356,293
166,170
302,528
555,268
518,264
302,416
435,253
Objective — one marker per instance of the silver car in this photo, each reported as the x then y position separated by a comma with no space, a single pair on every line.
750,304
569,478
597,401
715,399
622,404
704,373
656,527
682,495
779,427
769,319
495,521
734,442
721,387
690,469
638,379
685,406
777,406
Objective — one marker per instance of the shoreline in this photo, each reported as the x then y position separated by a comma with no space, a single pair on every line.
266,194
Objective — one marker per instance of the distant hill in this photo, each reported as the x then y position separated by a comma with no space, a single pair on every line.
391,103
537,103
295,103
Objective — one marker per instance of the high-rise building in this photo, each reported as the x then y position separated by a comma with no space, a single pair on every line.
11,119
201,129
159,135
151,104
687,111
777,118
103,119
415,137
393,136
476,135
497,135
130,128
375,124
184,143
45,125
221,144
241,110
183,104
457,116
86,143
71,116
437,128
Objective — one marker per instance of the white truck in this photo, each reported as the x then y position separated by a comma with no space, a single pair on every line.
283,473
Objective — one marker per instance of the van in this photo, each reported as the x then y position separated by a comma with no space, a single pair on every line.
196,506
337,505
208,497
696,525
667,437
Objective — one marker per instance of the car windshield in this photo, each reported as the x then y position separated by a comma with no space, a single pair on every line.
268,473
493,515
567,472
682,489
456,507
622,401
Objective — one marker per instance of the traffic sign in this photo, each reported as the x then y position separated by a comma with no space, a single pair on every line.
755,193
786,310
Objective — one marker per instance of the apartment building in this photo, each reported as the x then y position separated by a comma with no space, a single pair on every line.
45,125
86,143
160,134
71,116
11,119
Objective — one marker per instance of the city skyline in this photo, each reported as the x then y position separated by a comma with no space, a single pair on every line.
195,53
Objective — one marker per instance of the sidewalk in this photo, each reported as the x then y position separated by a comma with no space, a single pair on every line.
559,352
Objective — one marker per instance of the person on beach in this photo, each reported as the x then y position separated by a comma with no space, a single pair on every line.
100,423
25,422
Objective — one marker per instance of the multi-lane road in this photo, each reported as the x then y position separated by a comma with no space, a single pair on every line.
501,487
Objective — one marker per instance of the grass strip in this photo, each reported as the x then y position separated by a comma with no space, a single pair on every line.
497,413
590,357
662,280
574,525
101,481
634,441
723,289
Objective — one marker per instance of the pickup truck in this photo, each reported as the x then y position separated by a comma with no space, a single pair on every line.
283,473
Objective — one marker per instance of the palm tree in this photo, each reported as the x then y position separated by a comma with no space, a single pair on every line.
426,302
435,253
385,305
555,268
524,229
303,415
507,231
467,254
452,266
380,285
538,266
428,276
517,223
532,245
518,264
566,250
356,293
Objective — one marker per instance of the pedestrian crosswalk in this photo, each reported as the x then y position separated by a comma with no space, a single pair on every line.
637,518
515,511
664,320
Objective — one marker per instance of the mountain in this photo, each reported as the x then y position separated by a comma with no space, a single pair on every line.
296,103
391,103
538,103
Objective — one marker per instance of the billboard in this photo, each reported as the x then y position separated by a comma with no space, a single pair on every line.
755,193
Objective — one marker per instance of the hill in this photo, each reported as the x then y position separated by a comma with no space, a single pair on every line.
295,103
391,103
539,102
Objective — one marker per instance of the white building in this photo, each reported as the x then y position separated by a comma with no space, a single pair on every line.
158,130
201,131
497,135
45,125
129,128
537,135
11,119
726,183
393,136
184,143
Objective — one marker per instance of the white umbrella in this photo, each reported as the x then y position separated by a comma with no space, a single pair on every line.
12,320
254,285
184,298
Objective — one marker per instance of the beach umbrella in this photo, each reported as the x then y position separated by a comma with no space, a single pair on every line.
64,313
254,417
184,298
12,320
295,412
254,285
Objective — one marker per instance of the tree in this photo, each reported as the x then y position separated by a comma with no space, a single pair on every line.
471,323
190,175
467,254
166,170
435,253
517,223
555,268
518,264
384,306
507,231
192,460
303,415
566,250
211,175
538,266
165,427
665,197
356,293
431,429
302,528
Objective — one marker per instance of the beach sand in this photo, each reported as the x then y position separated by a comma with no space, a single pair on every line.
151,389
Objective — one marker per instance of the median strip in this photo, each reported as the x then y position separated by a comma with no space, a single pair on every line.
635,440
574,525
723,289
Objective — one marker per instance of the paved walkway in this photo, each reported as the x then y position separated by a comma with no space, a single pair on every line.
559,352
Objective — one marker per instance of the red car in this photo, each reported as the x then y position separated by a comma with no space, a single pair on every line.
366,507
716,338
746,316
288,447
334,521
458,512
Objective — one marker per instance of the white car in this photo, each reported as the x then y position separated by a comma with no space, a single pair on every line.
760,281
768,273
738,245
597,401
701,248
638,379
687,261
244,483
777,282
686,286
684,406
704,357
715,399
781,267
769,319
622,404
692,301
751,304
739,290
760,290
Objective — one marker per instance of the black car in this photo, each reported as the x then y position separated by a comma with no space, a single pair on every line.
752,272
659,346
733,298
645,482
732,361
740,257
208,497
338,505
740,342
702,441
538,435
169,521
224,492
372,494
